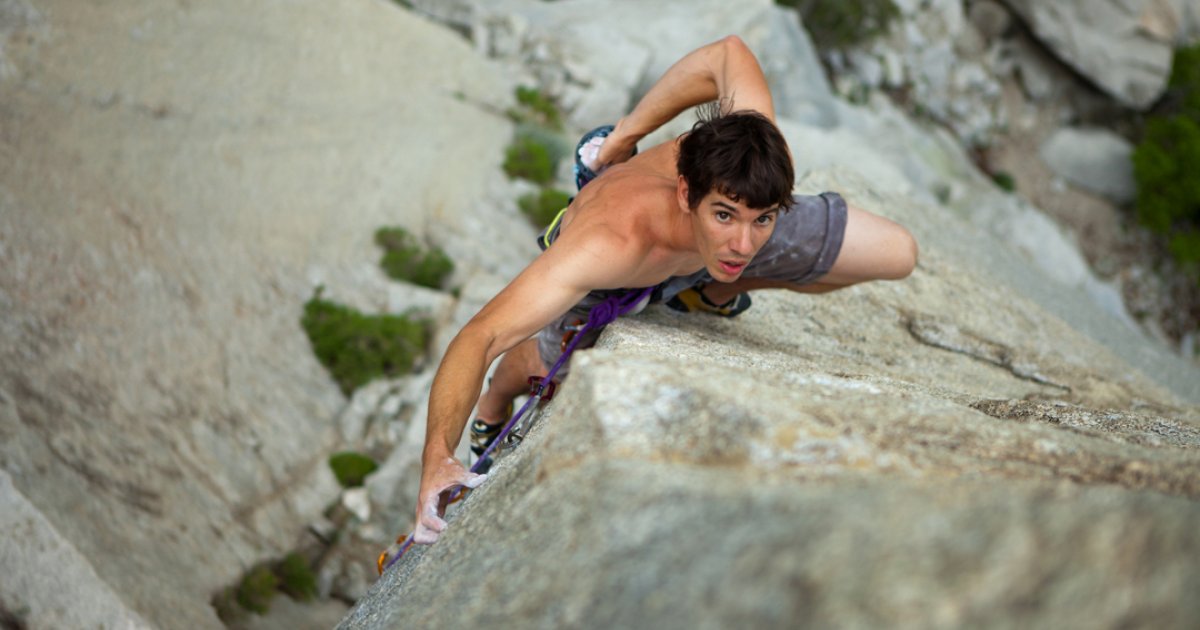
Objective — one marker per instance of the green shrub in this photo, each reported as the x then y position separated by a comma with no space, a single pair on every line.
541,207
297,579
535,107
528,157
1005,181
406,260
351,468
257,589
838,24
1166,163
537,146
356,348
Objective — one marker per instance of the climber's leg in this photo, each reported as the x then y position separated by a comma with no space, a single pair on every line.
511,379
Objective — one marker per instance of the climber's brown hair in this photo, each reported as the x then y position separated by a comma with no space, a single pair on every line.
741,155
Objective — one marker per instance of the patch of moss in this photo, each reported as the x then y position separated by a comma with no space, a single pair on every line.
351,468
1166,163
297,579
528,157
541,207
257,589
1005,181
357,348
534,106
840,24
407,260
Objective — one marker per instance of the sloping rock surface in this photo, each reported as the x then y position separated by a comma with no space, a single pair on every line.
935,452
34,555
174,180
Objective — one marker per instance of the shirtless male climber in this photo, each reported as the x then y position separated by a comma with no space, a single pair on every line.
704,218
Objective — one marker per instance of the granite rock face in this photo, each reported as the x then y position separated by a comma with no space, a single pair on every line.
174,181
46,582
935,452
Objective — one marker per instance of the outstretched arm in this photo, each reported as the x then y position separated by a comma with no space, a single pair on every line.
551,285
725,70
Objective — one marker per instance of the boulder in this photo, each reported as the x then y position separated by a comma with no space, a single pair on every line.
1094,159
1120,46
935,452
176,178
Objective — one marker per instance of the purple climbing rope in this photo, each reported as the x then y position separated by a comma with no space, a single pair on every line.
600,315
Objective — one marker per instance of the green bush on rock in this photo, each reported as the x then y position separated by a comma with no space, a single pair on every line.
533,106
356,348
529,157
257,589
1005,181
296,578
536,149
406,260
1166,164
351,468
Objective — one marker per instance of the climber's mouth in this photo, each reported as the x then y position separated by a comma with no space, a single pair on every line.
732,268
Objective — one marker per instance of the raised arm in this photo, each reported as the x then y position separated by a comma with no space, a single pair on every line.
725,70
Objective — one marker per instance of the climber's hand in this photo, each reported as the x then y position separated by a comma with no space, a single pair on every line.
438,480
617,147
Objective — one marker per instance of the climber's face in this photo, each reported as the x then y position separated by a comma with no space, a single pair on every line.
727,233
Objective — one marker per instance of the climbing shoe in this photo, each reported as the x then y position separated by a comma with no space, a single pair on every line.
483,434
693,301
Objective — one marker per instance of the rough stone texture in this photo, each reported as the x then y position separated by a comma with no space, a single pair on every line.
936,452
597,60
1120,45
939,60
46,582
174,179
1096,160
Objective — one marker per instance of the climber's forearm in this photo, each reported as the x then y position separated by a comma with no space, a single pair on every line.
458,380
725,70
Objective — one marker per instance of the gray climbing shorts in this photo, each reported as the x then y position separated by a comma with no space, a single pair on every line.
803,248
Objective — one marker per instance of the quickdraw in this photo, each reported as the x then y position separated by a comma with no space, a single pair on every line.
541,388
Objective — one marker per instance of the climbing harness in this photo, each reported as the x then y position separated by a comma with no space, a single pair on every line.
600,315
